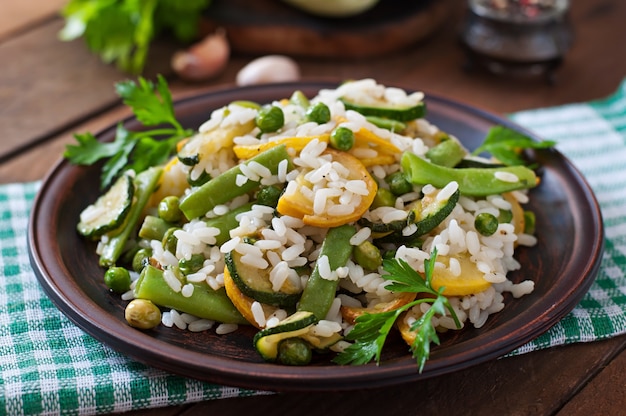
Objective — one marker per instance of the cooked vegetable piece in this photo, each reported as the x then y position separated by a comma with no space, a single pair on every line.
319,291
225,187
386,123
486,223
227,222
203,303
294,351
145,183
267,340
398,183
297,205
206,143
153,228
169,209
318,113
449,152
117,279
243,303
367,255
141,259
109,211
342,138
269,195
470,281
256,283
142,314
387,110
269,119
191,265
472,181
248,151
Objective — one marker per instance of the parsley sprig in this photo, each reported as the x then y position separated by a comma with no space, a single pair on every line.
371,329
121,31
506,145
138,150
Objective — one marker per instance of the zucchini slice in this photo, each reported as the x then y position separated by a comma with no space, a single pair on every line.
109,211
256,283
297,325
383,109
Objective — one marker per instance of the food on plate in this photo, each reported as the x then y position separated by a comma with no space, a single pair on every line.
325,222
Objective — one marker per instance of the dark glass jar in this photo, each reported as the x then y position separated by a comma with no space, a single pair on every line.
517,37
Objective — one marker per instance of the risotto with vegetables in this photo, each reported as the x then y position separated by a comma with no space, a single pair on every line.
325,222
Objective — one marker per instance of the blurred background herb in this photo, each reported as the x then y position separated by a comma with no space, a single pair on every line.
121,31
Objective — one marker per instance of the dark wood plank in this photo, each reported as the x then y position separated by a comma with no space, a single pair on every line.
604,395
538,383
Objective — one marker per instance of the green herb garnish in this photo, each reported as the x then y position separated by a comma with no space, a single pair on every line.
121,31
507,145
138,150
371,329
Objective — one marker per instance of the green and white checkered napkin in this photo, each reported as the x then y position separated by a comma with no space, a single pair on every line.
50,366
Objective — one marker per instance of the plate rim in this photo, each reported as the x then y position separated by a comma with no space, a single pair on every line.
271,376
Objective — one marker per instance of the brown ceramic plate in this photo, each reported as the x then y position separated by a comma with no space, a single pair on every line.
563,266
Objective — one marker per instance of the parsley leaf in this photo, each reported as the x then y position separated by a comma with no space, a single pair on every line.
121,31
507,145
371,329
138,150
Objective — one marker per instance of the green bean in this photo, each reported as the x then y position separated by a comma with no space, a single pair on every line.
269,195
319,293
342,138
384,198
269,119
449,152
145,184
204,302
318,113
224,187
227,222
386,123
153,228
298,98
169,209
472,181
368,256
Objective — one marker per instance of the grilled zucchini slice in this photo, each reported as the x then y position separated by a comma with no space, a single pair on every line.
386,110
266,341
256,283
109,211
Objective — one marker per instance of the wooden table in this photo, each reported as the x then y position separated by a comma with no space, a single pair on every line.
50,89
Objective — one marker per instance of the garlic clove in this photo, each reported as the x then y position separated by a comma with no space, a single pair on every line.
268,69
203,60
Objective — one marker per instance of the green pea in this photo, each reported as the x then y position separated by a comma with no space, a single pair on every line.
142,314
486,223
169,209
318,113
191,265
367,255
383,198
398,183
117,279
342,138
294,351
269,195
141,259
270,119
